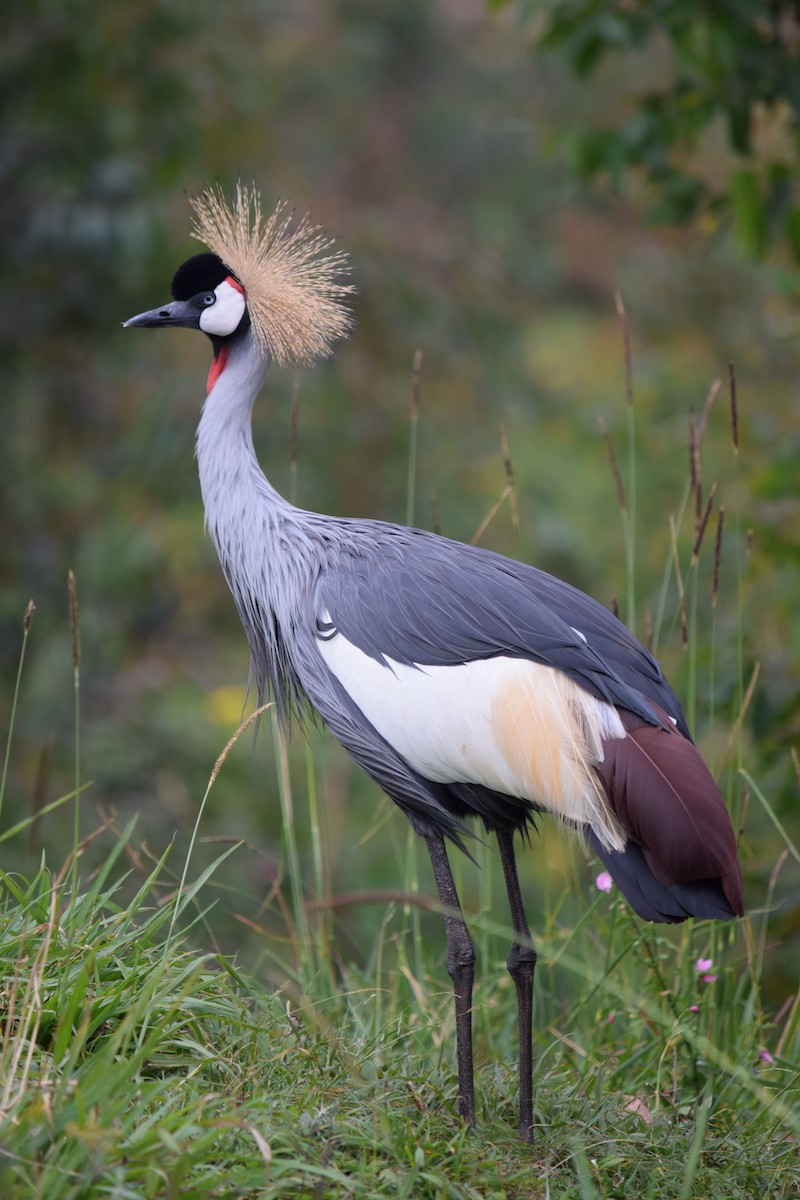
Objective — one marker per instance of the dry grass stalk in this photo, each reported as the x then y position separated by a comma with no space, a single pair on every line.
254,716
679,577
436,515
416,381
695,468
734,406
626,345
748,696
706,410
743,814
717,556
702,523
612,459
75,638
509,472
490,516
23,1018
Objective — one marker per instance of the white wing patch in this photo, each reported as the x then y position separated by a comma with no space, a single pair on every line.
510,724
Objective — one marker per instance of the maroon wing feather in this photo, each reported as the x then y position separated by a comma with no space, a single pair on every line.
668,803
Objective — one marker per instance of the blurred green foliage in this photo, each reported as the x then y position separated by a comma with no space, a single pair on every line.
713,110
436,146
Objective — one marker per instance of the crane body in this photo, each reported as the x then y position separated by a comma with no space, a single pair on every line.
464,683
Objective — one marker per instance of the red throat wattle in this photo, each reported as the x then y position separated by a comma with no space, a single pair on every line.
217,367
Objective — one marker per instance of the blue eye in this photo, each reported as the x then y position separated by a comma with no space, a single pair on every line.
209,299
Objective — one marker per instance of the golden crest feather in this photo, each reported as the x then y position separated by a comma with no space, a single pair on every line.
290,277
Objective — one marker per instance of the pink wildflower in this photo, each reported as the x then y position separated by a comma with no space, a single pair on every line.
766,1057
604,882
694,1008
703,964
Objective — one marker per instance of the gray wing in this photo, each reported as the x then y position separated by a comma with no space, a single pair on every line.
419,598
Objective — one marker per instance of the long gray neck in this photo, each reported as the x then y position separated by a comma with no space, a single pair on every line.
225,455
250,523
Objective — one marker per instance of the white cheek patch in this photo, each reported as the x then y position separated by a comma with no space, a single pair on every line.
222,318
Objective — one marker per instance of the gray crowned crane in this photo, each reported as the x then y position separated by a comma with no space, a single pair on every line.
464,683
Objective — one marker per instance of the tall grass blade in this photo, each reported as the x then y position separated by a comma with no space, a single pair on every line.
701,1116
26,822
178,907
300,915
75,640
26,629
770,811
629,512
413,435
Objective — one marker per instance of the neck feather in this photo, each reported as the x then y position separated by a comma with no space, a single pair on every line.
231,481
250,524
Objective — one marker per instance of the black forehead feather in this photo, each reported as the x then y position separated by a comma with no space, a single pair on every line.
200,273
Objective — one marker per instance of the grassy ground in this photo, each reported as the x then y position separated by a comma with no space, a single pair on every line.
132,1065
136,1067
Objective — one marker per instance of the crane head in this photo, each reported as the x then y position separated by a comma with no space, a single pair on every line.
277,275
205,296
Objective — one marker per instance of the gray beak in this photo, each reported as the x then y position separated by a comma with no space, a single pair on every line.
178,314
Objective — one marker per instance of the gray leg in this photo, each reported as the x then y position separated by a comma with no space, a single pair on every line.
521,963
461,968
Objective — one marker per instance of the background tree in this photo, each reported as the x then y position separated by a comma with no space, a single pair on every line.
708,112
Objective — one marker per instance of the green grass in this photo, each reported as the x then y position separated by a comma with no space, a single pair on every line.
133,1065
